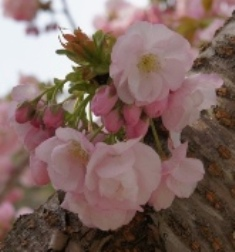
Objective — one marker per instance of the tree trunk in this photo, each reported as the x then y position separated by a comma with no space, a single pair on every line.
205,222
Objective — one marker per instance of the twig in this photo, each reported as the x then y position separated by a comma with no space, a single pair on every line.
68,14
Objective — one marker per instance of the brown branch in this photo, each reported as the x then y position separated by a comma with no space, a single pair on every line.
68,14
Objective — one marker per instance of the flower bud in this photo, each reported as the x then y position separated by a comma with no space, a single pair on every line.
104,100
138,130
131,114
113,121
53,116
155,109
24,112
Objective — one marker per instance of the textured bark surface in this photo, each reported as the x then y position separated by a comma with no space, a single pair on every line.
205,222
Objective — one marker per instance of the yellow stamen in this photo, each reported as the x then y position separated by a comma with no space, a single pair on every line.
149,63
77,151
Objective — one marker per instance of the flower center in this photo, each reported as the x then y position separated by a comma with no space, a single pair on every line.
149,63
77,151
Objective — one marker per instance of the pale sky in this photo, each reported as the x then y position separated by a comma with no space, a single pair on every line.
36,55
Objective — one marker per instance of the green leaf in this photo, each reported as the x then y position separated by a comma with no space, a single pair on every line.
99,38
74,76
82,86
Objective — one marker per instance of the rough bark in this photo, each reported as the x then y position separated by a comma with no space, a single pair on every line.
205,222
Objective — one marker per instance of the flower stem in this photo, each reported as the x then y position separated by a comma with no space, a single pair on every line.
96,132
156,139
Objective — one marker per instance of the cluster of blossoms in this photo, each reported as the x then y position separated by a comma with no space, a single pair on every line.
197,20
134,85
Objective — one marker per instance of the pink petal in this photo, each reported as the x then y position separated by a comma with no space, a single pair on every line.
44,150
190,170
148,165
180,189
162,197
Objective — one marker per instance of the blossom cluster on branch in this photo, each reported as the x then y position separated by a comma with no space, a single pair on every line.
85,133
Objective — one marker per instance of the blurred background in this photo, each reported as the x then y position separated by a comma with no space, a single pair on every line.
35,54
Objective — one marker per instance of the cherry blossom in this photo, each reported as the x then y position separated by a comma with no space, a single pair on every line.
148,62
121,14
184,105
66,155
21,10
119,179
180,176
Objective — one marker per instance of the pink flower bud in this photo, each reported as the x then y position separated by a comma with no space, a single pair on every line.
113,121
155,109
24,112
139,129
131,114
36,121
104,100
53,116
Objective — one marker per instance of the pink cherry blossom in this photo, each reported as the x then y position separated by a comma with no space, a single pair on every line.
21,10
148,62
195,8
25,92
25,79
223,7
104,100
119,179
184,105
95,217
180,176
66,155
35,136
192,8
116,183
121,15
